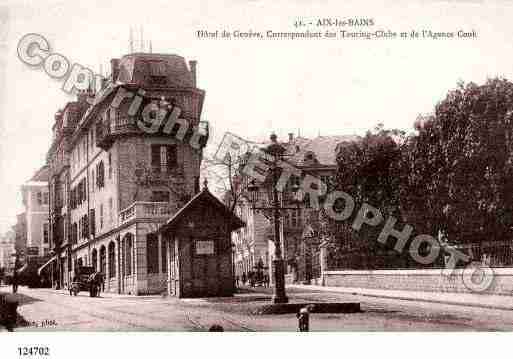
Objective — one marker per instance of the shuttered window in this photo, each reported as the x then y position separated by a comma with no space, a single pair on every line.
163,158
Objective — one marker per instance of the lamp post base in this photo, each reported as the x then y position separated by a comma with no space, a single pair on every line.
279,282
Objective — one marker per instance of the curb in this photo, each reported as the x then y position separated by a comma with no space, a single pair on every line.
316,307
448,302
415,299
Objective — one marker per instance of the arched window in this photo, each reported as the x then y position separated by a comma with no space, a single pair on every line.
128,254
94,259
100,175
112,260
103,261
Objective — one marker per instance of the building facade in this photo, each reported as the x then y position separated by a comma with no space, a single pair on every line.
7,249
298,227
34,223
112,184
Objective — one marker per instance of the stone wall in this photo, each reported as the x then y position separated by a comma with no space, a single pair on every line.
431,280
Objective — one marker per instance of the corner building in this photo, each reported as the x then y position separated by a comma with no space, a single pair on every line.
113,185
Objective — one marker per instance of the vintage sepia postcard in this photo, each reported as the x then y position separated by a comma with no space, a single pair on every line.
253,166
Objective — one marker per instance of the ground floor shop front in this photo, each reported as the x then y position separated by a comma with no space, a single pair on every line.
133,260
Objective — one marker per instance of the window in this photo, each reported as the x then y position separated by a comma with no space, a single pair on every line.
163,158
100,175
158,72
160,196
152,253
45,233
101,216
327,180
39,196
110,166
94,259
79,194
103,262
72,198
196,184
85,227
163,252
92,180
45,198
112,260
92,219
74,233
128,255
110,210
295,219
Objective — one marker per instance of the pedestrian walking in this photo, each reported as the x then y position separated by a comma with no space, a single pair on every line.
15,282
15,275
266,280
237,281
251,276
244,279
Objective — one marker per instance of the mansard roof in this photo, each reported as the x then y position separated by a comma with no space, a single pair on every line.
138,68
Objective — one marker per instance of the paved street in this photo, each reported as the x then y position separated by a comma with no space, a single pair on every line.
50,310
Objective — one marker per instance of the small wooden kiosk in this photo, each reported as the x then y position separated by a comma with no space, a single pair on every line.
199,250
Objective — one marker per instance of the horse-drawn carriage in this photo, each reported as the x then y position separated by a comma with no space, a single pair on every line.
86,279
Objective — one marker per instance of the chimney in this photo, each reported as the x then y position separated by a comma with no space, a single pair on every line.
291,136
192,65
114,69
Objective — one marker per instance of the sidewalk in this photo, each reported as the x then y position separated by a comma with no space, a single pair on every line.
102,294
464,299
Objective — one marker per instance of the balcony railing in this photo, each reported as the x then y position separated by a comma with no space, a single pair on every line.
108,129
145,210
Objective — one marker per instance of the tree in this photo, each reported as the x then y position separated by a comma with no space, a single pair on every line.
460,165
368,171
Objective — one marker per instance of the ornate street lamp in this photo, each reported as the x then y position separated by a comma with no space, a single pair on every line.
274,211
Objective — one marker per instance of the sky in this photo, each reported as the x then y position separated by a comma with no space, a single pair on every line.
253,87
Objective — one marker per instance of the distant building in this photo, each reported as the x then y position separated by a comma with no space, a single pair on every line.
34,222
20,230
316,157
7,249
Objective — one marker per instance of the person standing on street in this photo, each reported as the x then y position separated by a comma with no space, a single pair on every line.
15,275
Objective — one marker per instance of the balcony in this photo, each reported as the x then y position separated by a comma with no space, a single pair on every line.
108,129
145,210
